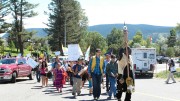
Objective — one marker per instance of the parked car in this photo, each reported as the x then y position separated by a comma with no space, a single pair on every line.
12,68
162,59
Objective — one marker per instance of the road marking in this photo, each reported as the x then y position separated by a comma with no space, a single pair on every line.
170,99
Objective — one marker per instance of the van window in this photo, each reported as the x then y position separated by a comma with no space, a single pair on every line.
145,55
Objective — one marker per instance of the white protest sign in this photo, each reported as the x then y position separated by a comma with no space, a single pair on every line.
74,52
87,54
28,55
31,62
57,53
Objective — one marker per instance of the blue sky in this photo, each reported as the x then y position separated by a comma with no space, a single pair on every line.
153,12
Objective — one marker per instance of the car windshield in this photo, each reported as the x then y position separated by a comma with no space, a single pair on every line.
7,61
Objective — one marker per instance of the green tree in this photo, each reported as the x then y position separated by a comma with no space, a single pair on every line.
172,38
11,45
138,39
1,42
148,42
95,40
66,21
83,42
20,10
4,11
177,47
115,40
170,52
161,43
1,46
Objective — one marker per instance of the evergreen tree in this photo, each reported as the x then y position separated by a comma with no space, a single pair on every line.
4,11
20,10
67,22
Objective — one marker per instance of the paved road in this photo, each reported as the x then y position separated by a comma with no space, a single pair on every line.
29,90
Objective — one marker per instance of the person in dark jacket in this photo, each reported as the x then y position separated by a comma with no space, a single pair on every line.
112,72
125,67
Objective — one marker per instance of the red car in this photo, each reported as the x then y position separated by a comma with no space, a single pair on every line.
11,68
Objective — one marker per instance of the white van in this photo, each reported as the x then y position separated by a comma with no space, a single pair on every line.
144,61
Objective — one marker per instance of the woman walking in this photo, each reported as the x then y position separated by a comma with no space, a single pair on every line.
43,72
59,77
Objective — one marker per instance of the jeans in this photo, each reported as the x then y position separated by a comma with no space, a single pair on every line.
38,76
96,79
107,83
112,81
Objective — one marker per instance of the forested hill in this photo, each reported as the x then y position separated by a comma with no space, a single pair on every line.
105,29
147,30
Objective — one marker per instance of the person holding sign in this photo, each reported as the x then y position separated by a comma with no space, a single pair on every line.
96,71
77,80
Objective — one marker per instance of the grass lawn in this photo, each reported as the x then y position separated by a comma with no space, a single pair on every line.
14,51
164,74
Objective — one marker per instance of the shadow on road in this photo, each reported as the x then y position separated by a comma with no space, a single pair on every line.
17,81
143,77
37,87
69,97
96,100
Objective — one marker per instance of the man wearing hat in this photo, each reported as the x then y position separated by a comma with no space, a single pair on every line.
96,71
77,80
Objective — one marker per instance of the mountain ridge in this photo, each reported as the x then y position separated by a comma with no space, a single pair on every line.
105,29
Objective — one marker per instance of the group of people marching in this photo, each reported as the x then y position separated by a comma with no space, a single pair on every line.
118,73
117,70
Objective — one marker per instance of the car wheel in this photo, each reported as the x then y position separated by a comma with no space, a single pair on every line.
31,77
13,79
